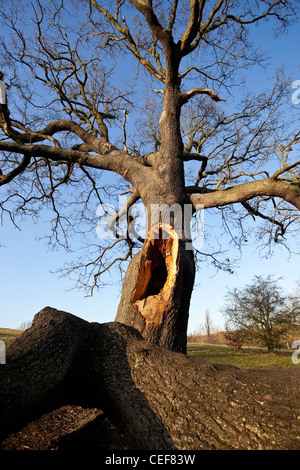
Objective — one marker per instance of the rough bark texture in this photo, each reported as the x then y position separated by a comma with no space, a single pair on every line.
160,399
246,191
157,290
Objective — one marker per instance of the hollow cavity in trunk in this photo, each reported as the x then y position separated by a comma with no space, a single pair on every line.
157,274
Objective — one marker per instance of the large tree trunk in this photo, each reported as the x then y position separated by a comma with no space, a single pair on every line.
160,399
159,281
157,290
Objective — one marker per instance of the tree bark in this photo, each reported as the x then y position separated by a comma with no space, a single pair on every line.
161,399
159,282
244,192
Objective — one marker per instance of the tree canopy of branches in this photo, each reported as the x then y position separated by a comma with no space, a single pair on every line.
262,311
78,73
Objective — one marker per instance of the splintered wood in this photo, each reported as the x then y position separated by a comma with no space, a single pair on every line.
158,271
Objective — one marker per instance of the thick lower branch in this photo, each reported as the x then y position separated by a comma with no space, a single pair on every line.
111,158
267,187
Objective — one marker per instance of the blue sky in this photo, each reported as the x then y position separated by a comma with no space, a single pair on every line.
27,285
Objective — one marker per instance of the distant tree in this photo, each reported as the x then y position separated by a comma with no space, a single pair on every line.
295,296
207,323
25,325
261,310
294,333
234,339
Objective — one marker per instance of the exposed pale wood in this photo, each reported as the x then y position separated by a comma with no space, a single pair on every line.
159,266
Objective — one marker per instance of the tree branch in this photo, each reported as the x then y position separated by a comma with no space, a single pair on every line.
133,198
164,36
145,7
141,6
188,157
216,20
186,96
243,192
4,179
286,168
256,212
110,158
193,26
52,128
173,15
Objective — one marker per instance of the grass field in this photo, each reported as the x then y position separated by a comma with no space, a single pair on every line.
248,358
7,335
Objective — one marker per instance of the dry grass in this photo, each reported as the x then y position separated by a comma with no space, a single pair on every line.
215,338
7,335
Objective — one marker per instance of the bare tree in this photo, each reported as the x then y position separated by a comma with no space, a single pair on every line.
25,325
65,124
261,311
234,339
207,323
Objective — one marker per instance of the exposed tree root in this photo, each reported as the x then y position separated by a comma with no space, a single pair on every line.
159,399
